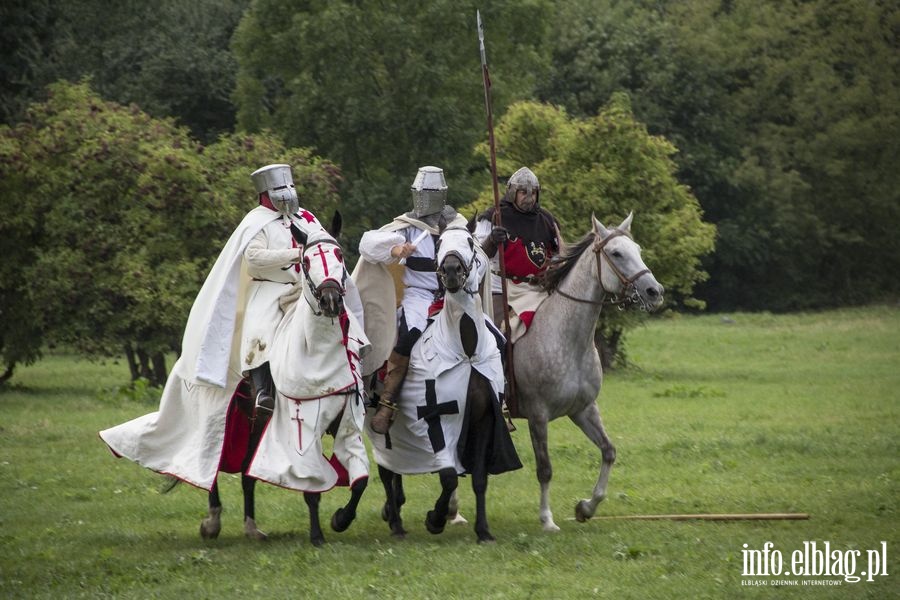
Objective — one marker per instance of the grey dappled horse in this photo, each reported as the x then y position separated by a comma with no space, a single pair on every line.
557,369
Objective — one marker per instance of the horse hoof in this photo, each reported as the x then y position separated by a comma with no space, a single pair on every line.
583,512
548,525
341,520
432,527
207,532
252,531
486,538
398,534
459,520
211,525
318,541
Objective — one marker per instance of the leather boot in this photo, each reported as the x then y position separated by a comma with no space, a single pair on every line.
397,366
262,386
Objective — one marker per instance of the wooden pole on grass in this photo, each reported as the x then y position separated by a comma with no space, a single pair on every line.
707,517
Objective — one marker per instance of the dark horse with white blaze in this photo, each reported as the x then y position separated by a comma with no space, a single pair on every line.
557,368
449,418
315,318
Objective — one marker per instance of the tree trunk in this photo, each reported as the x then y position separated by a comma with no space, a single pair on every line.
607,347
145,370
132,363
159,370
7,375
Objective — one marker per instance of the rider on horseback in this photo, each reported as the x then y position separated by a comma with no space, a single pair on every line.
272,260
409,240
529,238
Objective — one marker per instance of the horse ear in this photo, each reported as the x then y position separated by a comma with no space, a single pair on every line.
442,224
626,224
337,223
599,229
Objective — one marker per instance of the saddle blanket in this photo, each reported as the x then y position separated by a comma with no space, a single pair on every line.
430,418
290,453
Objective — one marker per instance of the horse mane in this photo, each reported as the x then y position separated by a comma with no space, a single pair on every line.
561,265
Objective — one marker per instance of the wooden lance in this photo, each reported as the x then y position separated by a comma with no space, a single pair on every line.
511,399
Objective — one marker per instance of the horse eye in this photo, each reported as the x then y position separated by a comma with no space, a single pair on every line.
338,255
617,254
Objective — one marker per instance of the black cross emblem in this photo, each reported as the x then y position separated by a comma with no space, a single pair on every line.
432,412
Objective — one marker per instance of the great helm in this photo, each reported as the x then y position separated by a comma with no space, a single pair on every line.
523,179
277,181
429,191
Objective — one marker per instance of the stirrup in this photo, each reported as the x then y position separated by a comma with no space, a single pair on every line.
504,412
265,403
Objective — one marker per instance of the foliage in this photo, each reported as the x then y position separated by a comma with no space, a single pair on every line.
803,420
785,115
169,57
114,219
384,88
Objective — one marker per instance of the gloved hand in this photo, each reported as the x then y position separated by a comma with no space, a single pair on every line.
499,235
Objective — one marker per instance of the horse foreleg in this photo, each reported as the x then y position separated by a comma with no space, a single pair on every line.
482,434
537,427
342,517
393,491
315,529
590,423
248,485
436,519
212,524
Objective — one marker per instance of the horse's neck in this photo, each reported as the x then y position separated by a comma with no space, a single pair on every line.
574,319
456,305
315,329
460,303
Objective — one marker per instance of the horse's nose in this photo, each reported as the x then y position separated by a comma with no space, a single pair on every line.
332,302
452,268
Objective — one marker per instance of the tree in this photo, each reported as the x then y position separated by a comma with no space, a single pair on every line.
114,219
384,88
609,165
785,116
171,58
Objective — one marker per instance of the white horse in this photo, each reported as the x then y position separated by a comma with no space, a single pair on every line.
557,369
449,420
315,362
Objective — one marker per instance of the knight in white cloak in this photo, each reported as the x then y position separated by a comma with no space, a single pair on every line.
394,327
230,327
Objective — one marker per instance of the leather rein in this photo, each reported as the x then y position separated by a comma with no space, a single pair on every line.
629,292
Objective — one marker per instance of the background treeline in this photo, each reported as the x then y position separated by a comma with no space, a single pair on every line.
776,122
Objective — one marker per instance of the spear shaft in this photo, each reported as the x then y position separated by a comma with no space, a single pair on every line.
486,78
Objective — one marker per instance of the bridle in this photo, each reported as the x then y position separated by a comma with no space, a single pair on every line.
466,267
330,283
628,295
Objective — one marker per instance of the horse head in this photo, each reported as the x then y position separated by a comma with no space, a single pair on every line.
622,270
325,274
456,259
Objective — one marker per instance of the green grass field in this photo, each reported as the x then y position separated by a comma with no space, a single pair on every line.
756,413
